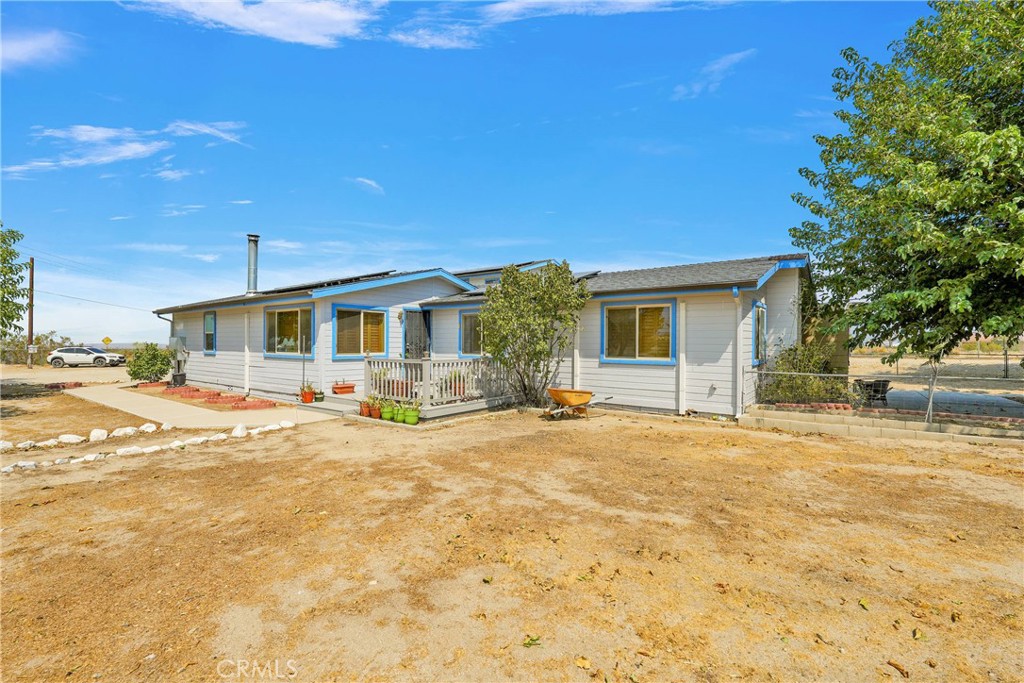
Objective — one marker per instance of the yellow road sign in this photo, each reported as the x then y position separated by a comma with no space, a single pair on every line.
106,340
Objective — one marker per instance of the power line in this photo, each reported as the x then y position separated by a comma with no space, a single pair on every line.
93,301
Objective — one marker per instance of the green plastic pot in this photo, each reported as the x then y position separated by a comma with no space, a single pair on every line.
399,415
412,417
387,414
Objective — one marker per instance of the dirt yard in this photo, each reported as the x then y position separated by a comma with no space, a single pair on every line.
509,548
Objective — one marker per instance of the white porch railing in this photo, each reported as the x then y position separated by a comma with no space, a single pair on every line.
434,382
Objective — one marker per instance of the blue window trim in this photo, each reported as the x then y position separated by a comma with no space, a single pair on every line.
671,360
393,280
334,331
213,351
312,329
754,332
467,311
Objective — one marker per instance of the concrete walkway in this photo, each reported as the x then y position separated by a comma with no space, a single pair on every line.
161,410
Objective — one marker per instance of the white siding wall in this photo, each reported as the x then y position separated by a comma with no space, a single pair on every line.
284,375
781,295
224,368
444,333
642,386
747,347
710,344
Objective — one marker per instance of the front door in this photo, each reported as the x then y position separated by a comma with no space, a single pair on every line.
417,334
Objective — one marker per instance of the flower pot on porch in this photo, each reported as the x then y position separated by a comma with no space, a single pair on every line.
344,388
399,415
318,397
308,396
375,412
387,414
364,409
412,417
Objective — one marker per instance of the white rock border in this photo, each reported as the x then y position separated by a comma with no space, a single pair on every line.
97,434
240,431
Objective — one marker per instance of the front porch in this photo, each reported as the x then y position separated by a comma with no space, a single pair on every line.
443,387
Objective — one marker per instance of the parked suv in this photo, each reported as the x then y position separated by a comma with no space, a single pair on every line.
83,355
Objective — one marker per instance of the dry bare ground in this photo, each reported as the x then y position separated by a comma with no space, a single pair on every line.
509,548
960,372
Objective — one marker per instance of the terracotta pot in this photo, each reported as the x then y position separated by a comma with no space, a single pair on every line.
344,388
307,396
375,412
364,409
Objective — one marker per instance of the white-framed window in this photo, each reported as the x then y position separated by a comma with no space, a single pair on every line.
289,331
210,332
359,331
470,334
638,332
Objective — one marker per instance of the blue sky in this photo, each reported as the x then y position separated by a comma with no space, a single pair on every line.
141,141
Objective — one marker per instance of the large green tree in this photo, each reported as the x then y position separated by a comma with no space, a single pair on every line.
918,234
528,321
12,279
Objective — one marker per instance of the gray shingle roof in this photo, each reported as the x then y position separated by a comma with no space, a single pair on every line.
734,273
693,275
492,269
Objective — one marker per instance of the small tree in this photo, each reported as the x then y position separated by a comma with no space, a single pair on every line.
919,216
528,321
149,363
12,276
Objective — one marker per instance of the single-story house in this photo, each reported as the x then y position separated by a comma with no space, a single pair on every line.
672,339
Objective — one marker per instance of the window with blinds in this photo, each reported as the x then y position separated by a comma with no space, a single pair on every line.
358,332
471,339
641,332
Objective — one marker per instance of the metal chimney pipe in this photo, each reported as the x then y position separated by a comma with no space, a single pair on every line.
254,241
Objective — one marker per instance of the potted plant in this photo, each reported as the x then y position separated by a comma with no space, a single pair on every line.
400,412
412,412
318,396
374,403
343,387
387,410
364,407
306,392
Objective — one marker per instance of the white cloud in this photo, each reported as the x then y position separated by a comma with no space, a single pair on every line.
240,201
154,247
518,10
504,242
86,145
205,258
121,218
38,48
172,175
454,36
367,184
281,246
223,130
172,210
320,23
711,75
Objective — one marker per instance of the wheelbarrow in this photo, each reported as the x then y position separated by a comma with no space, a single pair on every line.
569,401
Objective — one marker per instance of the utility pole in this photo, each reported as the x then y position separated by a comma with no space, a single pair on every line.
31,306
